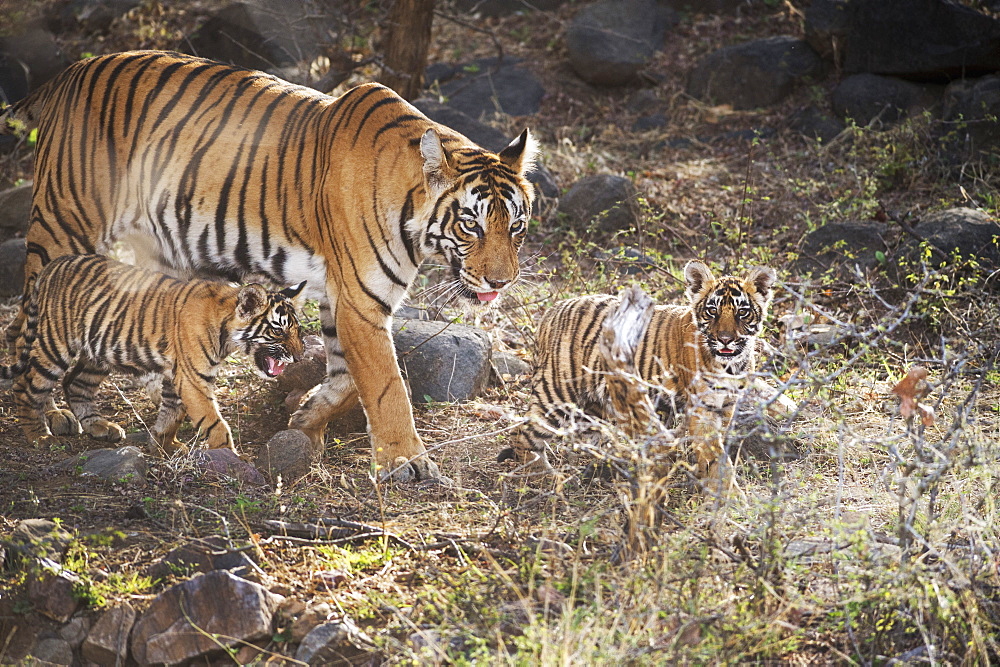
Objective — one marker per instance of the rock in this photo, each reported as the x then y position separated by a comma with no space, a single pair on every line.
754,74
265,34
225,463
96,16
813,123
36,51
865,97
194,618
610,200
193,557
930,39
308,618
15,211
610,41
489,86
75,631
288,454
653,121
495,8
340,642
506,364
972,108
53,651
12,256
968,231
303,375
50,590
442,361
107,642
38,538
826,25
125,465
842,245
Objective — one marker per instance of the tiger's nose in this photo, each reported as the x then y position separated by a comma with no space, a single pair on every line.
726,337
497,284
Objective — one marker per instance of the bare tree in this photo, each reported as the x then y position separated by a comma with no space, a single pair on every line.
405,49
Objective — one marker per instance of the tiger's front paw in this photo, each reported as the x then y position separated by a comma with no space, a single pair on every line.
101,429
62,422
420,469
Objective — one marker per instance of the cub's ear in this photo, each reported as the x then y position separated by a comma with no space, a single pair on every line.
696,276
520,154
439,173
251,301
763,279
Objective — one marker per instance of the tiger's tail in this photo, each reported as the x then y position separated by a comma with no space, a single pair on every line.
22,115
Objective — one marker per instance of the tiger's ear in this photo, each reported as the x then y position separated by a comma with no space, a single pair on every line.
439,173
696,276
250,301
521,153
763,279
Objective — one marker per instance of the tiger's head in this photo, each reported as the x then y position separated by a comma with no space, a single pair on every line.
482,203
267,328
729,311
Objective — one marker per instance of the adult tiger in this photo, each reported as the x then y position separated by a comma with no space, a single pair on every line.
691,351
115,316
205,168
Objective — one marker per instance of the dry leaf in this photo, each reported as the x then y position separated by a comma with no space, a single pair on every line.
910,390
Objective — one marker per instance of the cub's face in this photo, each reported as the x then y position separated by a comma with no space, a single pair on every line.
729,311
267,328
481,215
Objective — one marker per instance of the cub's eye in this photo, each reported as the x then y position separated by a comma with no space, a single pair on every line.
712,311
517,226
743,312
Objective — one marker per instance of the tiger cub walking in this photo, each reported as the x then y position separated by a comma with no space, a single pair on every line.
110,315
689,350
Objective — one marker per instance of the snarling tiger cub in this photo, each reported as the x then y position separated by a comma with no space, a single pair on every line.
112,316
691,351
206,168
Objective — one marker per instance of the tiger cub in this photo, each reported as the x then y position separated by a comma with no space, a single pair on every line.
688,350
107,315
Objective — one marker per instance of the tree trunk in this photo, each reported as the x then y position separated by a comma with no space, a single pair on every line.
406,44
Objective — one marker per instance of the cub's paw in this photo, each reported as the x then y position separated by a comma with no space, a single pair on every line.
63,422
100,428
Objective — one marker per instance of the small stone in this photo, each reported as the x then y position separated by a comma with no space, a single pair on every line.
339,641
107,642
53,651
50,590
288,454
193,618
224,463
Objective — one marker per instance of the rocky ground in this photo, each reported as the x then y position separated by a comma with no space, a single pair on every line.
867,539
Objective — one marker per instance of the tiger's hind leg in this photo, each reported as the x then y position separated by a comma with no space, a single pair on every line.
80,387
169,419
40,420
335,396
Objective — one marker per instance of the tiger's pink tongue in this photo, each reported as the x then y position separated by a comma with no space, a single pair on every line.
486,296
275,367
